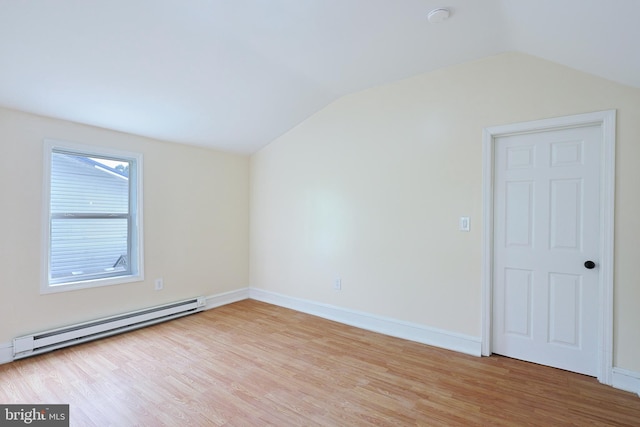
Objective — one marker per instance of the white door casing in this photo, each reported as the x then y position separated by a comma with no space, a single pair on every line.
539,301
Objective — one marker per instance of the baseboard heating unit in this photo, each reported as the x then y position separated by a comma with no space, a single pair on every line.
31,345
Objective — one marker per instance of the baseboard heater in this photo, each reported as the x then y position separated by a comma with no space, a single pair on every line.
31,345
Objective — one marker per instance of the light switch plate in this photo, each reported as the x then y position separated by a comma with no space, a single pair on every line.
464,223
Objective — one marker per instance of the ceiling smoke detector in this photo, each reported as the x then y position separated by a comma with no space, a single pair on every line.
438,15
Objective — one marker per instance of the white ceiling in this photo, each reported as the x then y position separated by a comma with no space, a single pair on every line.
236,74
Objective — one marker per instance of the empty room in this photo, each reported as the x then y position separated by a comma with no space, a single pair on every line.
319,212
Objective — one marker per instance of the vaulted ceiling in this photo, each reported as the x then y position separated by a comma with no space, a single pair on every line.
236,74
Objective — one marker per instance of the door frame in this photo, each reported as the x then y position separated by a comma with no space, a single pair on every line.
606,120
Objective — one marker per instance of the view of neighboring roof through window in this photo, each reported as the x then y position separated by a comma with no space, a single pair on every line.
113,165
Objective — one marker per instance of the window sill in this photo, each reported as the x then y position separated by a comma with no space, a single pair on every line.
87,284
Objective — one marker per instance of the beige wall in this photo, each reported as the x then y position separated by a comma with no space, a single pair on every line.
195,225
371,189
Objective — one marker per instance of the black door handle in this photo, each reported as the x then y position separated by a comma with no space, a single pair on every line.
589,265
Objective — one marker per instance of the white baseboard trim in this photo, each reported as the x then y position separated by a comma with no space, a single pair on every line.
225,298
6,352
626,380
384,325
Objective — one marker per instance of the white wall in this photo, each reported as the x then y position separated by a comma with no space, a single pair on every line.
196,205
371,189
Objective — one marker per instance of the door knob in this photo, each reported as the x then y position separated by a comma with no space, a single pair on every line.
589,265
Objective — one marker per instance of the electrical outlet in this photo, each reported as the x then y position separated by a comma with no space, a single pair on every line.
337,284
159,284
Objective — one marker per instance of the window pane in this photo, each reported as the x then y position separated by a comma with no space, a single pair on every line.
85,248
84,185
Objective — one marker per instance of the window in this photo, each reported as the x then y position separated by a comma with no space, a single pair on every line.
93,217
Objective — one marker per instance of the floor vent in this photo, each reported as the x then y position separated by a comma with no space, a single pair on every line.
31,345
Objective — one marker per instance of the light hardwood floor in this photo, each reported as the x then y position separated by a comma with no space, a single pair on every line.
254,364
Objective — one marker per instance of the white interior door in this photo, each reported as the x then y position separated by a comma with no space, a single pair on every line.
546,226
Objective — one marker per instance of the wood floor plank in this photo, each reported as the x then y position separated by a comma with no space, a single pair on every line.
255,364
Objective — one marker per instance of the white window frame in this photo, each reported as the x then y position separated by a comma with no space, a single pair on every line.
136,255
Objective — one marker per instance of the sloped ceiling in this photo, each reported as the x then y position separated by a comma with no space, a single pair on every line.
236,74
